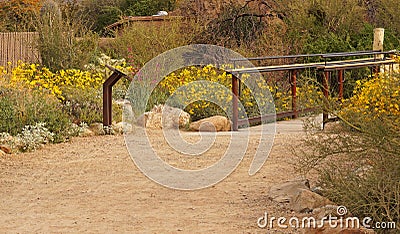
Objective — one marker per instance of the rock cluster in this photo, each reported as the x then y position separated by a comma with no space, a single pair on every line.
163,117
299,198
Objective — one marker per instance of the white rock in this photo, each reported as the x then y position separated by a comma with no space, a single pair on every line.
122,127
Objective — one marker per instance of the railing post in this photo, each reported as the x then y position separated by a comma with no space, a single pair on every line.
340,77
235,103
379,36
326,95
294,94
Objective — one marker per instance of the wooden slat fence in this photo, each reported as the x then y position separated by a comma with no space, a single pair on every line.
16,46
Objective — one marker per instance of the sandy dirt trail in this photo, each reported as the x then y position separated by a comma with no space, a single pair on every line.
91,185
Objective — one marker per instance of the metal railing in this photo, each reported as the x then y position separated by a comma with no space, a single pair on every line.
327,66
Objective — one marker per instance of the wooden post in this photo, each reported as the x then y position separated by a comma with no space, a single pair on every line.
340,76
326,95
379,36
235,103
294,94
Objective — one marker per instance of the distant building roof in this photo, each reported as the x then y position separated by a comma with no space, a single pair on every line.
126,20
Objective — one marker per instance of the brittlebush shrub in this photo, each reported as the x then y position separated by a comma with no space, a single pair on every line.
358,161
216,88
79,91
39,77
375,98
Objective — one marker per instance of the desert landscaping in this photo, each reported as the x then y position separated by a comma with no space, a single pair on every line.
182,116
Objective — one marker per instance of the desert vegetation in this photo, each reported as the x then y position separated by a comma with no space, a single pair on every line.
357,161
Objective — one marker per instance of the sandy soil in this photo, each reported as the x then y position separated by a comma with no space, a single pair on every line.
91,185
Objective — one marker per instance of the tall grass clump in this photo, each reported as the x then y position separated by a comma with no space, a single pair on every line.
64,39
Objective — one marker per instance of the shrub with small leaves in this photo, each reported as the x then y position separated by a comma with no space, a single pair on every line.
34,136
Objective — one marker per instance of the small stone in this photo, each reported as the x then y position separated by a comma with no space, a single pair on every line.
97,128
86,133
5,149
122,127
306,201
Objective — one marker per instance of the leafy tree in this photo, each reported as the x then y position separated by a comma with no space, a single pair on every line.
101,13
235,25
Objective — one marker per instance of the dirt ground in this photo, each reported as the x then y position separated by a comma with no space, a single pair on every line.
91,185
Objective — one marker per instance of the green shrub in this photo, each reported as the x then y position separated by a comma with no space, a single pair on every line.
107,16
84,105
141,42
24,107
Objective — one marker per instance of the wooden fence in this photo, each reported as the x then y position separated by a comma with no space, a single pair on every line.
16,46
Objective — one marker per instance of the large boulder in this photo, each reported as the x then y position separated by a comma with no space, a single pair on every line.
212,124
141,120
